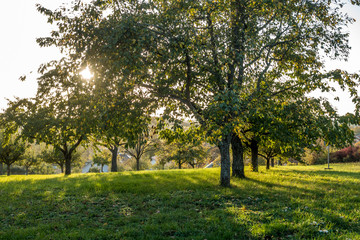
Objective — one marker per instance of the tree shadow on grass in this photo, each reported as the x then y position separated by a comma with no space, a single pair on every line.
121,206
168,205
302,210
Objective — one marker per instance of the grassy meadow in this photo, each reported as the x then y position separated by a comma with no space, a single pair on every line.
289,202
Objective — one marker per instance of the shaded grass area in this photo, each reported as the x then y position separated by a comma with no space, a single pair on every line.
297,202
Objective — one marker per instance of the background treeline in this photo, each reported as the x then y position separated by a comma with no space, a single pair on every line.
171,151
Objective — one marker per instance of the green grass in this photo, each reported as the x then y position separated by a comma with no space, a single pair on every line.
294,202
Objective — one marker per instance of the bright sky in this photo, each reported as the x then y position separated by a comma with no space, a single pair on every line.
21,24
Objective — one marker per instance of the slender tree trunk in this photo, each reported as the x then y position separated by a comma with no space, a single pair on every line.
224,147
179,163
8,169
137,164
67,164
268,163
114,152
238,157
1,168
254,155
102,168
272,162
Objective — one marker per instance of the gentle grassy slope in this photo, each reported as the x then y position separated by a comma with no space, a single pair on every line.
283,203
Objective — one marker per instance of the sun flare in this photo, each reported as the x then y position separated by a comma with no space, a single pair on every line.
86,74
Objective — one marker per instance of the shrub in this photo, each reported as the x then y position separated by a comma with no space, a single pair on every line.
94,170
349,154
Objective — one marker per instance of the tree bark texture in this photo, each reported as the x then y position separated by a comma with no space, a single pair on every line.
267,163
67,164
254,155
137,164
224,147
238,157
114,152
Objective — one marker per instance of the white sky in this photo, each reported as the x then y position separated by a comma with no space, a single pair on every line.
21,24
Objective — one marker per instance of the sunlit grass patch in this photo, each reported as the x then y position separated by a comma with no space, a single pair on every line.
292,202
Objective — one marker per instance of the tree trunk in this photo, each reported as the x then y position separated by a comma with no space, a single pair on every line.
67,164
8,169
102,168
26,170
114,152
254,155
238,157
272,162
179,163
1,168
137,164
62,168
267,163
224,146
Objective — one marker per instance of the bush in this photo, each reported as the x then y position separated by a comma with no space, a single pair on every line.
94,170
349,154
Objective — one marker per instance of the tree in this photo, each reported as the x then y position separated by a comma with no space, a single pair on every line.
183,146
210,60
31,159
60,114
12,149
102,158
287,128
119,114
142,143
53,155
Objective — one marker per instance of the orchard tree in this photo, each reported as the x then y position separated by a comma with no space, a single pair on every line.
210,60
119,113
31,158
61,113
102,158
183,146
12,149
286,128
142,142
54,156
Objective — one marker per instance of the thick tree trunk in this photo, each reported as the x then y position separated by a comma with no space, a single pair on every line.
114,152
67,164
179,163
272,162
238,157
224,147
254,155
267,163
8,169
